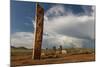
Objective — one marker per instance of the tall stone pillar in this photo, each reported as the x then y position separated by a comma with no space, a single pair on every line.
39,32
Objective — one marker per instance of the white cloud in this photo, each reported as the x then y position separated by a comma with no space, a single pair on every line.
61,28
20,39
65,41
55,11
82,26
78,30
70,25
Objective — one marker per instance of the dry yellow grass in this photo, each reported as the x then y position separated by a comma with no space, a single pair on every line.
24,57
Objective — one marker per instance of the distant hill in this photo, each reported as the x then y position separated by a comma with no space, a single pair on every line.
13,47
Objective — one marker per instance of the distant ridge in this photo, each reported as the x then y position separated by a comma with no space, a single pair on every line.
18,47
13,47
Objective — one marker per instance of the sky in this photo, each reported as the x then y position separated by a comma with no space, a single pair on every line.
68,25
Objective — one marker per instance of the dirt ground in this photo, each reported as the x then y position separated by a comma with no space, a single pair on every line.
27,59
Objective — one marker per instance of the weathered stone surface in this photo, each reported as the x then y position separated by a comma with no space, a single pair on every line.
39,31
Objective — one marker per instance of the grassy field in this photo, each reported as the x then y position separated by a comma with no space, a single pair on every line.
22,56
